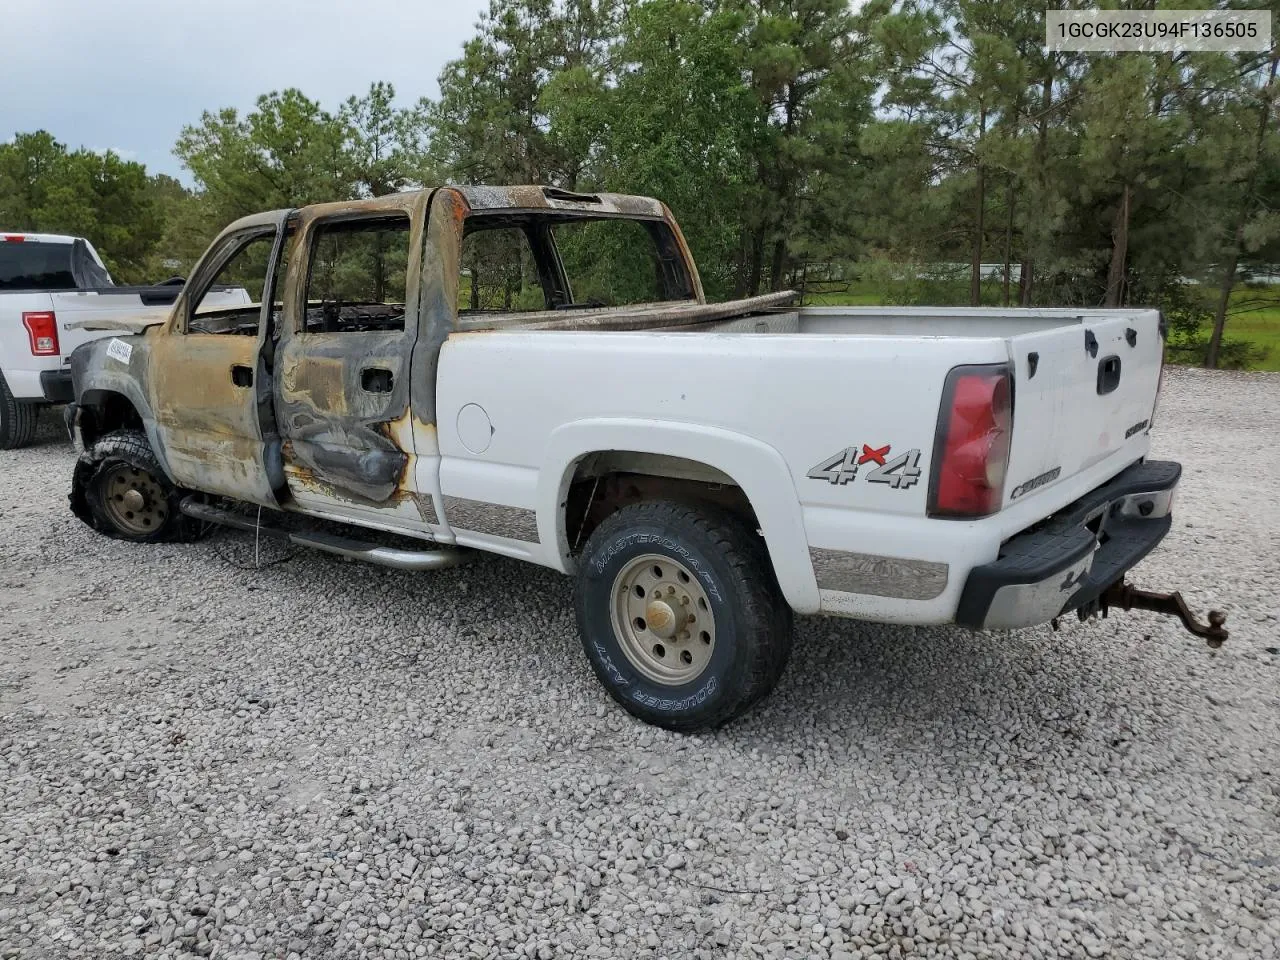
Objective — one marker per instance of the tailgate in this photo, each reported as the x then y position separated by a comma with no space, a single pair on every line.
1082,392
74,309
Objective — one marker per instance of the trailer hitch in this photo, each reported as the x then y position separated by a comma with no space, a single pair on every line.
1128,597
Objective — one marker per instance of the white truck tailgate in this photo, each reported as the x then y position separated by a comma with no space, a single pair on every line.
76,307
1081,393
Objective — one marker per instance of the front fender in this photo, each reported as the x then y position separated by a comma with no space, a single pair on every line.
755,466
97,371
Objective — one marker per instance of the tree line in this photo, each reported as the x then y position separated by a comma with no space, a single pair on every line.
908,141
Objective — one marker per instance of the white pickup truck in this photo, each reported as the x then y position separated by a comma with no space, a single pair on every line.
49,286
536,373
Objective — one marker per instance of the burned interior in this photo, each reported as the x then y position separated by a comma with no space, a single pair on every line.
357,275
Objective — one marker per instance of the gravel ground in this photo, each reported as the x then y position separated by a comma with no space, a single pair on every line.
323,759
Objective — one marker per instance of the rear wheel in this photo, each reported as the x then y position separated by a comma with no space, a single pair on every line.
17,420
680,614
120,489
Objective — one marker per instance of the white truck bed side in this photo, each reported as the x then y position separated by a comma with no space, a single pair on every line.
764,409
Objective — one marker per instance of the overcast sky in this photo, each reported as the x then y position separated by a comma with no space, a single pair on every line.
128,74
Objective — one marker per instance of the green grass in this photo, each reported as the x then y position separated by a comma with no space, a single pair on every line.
853,298
1254,315
874,293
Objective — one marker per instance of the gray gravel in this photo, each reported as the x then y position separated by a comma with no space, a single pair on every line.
322,759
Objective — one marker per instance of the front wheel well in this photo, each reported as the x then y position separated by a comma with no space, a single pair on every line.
105,411
605,482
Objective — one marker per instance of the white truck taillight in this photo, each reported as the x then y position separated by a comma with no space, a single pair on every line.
42,332
971,452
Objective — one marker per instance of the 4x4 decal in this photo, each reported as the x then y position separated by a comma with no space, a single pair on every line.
878,454
840,469
900,473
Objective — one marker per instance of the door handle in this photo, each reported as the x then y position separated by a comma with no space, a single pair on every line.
1108,374
376,380
241,375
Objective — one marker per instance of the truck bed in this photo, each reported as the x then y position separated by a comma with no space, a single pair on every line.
802,384
772,313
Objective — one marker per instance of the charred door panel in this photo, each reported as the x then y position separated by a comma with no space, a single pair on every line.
209,386
343,365
340,394
206,421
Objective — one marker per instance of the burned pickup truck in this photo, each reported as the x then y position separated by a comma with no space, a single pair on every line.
536,373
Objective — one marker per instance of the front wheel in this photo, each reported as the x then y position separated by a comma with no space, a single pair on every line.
680,614
120,489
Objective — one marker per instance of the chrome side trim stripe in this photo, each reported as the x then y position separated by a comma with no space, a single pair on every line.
878,576
496,519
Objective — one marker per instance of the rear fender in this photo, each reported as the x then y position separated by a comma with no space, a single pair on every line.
754,466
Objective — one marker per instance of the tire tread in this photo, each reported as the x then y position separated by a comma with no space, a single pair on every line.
766,616
131,446
17,420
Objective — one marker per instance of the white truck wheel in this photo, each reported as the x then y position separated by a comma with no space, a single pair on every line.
680,614
17,420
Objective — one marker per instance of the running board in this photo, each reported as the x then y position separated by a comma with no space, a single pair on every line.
328,542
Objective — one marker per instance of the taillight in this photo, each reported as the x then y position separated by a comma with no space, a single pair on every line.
971,450
42,332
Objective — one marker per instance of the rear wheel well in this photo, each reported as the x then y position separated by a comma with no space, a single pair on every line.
105,411
605,482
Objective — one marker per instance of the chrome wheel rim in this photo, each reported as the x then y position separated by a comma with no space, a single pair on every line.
663,620
133,500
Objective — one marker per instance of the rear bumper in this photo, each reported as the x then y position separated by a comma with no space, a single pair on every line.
56,386
1067,561
25,384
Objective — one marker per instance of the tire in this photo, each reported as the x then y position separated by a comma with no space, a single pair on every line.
17,420
119,472
700,561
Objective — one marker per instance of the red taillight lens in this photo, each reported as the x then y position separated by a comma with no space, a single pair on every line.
971,451
42,332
